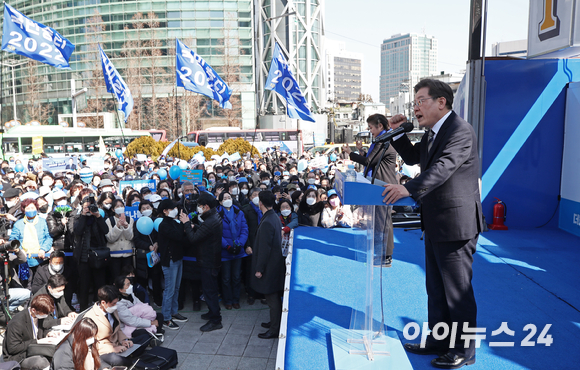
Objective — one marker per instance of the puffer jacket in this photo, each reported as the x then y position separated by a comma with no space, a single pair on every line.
59,232
119,239
207,239
89,232
228,238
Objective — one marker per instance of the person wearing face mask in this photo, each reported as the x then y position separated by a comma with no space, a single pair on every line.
137,317
289,220
47,180
106,186
57,264
119,238
88,232
172,239
143,245
32,233
207,241
253,215
105,202
59,183
310,180
234,191
43,207
265,179
78,347
12,201
119,172
235,236
110,339
310,208
25,329
244,189
62,314
57,220
335,214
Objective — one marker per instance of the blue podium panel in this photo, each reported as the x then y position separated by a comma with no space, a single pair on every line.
363,193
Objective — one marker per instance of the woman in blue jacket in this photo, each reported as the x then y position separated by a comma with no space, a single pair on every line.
235,235
32,233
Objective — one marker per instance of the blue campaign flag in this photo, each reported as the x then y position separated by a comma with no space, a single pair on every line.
194,74
281,80
116,85
21,35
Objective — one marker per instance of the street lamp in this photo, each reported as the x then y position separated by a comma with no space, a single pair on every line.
12,65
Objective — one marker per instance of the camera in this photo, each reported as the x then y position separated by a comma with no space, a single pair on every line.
9,246
93,204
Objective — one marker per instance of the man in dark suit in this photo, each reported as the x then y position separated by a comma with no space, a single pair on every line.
448,191
268,263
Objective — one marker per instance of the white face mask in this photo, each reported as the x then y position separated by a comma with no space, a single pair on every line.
232,178
199,210
47,183
245,191
120,210
56,268
311,181
180,195
90,341
40,317
173,213
286,212
129,290
10,203
107,189
256,201
119,174
310,201
147,212
111,309
235,191
227,203
107,206
267,182
61,202
57,294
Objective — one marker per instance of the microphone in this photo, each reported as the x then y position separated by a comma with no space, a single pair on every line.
405,127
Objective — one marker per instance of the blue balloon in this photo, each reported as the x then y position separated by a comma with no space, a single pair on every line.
145,225
162,174
102,213
19,167
183,165
174,172
333,157
157,222
119,153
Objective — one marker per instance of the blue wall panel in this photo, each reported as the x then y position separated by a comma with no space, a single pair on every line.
530,184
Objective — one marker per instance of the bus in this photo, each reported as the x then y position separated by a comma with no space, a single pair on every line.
58,140
286,140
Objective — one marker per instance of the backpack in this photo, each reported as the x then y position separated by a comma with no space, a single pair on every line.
157,358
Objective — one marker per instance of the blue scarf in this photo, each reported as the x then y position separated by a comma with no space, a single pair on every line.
370,170
258,211
231,216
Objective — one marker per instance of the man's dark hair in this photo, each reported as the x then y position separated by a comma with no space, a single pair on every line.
267,198
264,175
56,280
206,199
437,89
56,254
232,183
108,293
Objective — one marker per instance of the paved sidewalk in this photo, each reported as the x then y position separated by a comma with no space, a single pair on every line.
236,346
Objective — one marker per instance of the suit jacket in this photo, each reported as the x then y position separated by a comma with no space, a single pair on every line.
19,335
386,170
448,186
61,307
267,255
107,337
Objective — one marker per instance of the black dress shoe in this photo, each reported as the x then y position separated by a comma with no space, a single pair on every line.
266,325
452,361
211,326
206,316
268,335
426,350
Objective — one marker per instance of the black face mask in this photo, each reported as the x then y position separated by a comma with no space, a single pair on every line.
43,209
131,279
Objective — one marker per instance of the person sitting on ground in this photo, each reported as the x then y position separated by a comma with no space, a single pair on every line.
139,291
78,351
57,264
62,314
26,328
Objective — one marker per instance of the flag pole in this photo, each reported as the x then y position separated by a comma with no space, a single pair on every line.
120,122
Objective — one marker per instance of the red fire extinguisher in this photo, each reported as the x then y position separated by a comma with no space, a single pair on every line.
499,216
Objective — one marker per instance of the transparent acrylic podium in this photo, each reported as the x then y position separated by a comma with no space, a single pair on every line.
366,344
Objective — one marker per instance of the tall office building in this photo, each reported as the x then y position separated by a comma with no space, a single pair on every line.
344,73
139,38
405,59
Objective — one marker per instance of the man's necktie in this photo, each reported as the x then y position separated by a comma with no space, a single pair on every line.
430,141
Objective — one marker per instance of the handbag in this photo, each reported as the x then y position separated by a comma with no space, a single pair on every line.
99,258
158,358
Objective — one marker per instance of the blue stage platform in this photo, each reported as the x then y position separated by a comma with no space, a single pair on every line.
520,277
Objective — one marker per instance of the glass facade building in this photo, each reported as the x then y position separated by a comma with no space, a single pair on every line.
139,38
405,59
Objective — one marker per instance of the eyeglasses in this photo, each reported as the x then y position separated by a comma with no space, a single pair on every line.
419,102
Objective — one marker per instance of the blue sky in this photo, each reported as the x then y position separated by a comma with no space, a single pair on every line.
363,25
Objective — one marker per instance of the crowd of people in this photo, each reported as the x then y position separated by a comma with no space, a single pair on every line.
74,250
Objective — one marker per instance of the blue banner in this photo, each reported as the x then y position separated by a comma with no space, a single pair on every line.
116,85
282,81
55,165
21,35
138,184
195,176
194,74
132,212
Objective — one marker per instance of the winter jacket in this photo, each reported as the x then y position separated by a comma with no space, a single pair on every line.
42,233
89,233
118,238
171,240
228,239
207,239
59,232
267,256
142,243
252,214
127,317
